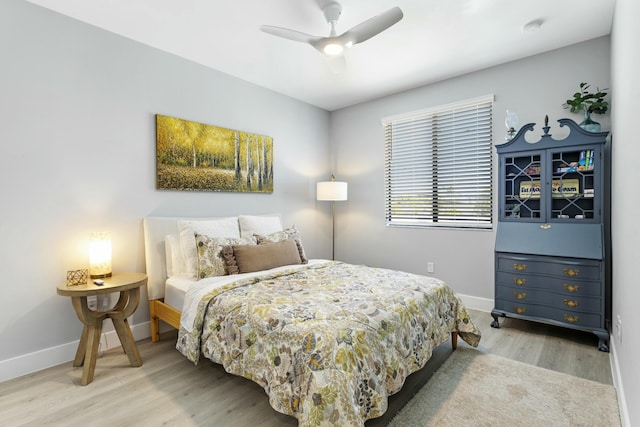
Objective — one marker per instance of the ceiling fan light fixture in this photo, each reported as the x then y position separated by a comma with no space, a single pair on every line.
333,49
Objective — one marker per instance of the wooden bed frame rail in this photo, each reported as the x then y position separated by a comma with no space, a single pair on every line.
158,311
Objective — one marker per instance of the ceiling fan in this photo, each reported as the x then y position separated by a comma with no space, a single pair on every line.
334,45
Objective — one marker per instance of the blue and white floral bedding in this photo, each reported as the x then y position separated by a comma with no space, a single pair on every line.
328,342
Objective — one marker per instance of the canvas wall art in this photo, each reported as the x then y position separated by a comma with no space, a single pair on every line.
200,157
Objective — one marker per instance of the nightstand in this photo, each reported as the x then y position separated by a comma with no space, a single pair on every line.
128,285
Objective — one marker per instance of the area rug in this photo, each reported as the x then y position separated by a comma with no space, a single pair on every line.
472,388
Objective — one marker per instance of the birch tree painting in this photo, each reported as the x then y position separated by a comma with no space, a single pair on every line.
199,157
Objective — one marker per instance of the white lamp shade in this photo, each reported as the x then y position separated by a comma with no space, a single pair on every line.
331,190
100,255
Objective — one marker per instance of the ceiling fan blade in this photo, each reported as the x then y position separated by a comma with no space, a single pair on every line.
289,34
333,46
372,26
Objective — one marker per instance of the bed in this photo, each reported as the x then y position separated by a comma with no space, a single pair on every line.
328,341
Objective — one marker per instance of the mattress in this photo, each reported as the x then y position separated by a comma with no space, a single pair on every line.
175,289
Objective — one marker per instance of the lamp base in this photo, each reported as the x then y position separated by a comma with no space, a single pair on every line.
100,276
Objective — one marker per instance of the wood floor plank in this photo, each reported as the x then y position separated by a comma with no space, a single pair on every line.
169,390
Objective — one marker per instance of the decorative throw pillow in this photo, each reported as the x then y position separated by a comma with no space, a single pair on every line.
263,257
213,227
278,236
230,260
210,258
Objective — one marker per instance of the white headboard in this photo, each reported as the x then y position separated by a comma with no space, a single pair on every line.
155,230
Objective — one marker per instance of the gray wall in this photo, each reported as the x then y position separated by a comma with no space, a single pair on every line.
77,109
532,87
625,225
77,155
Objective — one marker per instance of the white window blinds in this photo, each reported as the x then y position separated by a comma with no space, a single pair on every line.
438,166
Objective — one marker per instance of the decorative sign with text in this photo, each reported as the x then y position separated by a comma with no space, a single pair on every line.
559,189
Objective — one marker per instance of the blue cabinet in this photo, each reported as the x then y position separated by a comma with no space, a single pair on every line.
552,257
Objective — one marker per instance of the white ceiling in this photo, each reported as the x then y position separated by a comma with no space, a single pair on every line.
435,40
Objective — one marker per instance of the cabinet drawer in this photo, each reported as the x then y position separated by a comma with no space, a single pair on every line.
568,317
550,299
550,266
566,286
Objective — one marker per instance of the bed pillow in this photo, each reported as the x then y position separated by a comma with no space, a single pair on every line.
266,256
278,236
173,252
214,227
259,224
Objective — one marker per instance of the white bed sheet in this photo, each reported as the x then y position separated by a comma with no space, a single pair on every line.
184,292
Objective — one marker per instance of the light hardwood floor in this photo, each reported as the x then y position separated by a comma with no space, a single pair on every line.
169,390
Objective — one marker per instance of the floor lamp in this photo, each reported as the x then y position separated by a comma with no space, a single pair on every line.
332,191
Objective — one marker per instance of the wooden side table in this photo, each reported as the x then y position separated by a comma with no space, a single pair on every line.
128,285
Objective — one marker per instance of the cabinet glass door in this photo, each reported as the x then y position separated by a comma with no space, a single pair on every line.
522,187
573,185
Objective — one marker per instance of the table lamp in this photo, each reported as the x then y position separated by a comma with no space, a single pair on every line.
100,255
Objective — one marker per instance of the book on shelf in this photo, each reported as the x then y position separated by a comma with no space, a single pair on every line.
585,161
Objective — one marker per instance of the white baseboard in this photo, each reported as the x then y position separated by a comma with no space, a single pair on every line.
39,360
477,303
618,384
53,356
48,357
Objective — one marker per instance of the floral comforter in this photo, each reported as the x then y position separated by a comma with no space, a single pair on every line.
330,342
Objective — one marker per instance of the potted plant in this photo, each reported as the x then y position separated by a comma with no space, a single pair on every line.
589,103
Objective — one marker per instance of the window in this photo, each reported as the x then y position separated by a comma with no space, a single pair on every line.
438,166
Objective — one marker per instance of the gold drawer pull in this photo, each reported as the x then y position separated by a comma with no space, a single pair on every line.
570,303
571,288
519,310
571,272
519,282
570,319
520,295
545,226
520,267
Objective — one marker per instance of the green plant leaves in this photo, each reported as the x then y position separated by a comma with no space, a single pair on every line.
593,103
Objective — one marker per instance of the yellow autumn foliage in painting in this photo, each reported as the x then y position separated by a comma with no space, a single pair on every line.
200,157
